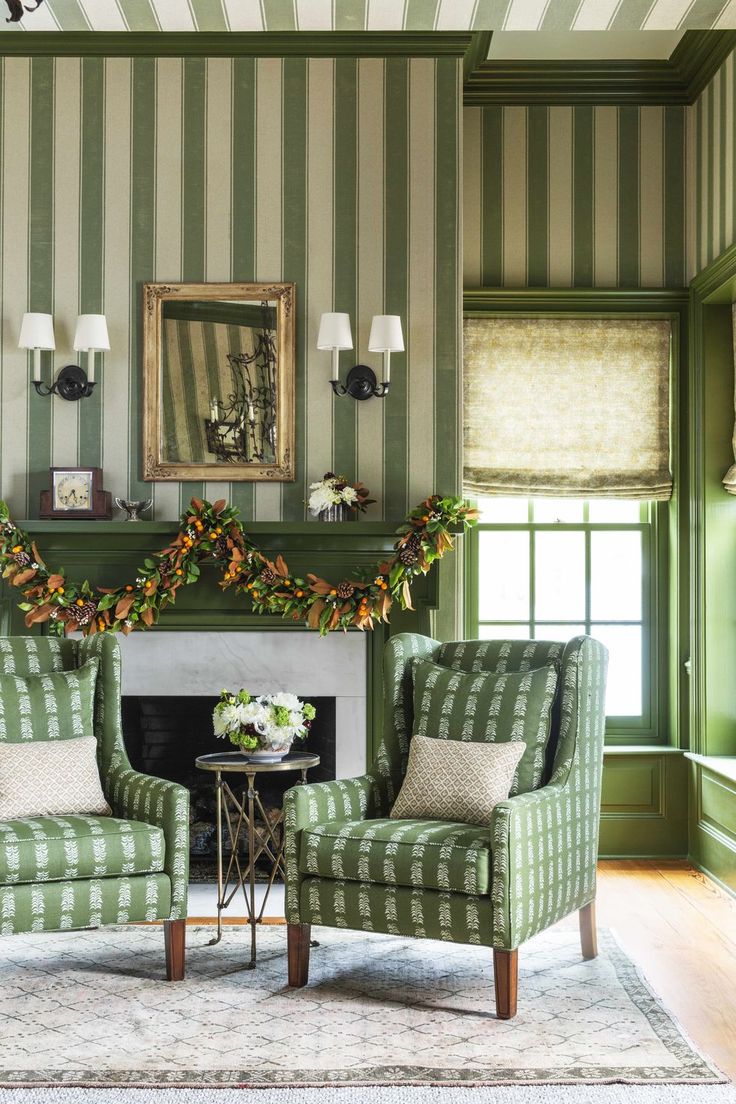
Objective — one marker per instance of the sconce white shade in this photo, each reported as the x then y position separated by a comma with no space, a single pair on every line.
386,335
37,332
91,332
334,332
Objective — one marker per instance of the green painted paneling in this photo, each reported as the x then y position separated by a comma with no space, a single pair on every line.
712,182
558,196
713,824
644,804
129,170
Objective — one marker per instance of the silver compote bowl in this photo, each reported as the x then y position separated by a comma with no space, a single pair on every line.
133,507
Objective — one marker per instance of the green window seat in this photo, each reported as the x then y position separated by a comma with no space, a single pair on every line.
420,854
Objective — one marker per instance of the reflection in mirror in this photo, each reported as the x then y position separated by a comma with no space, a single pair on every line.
219,382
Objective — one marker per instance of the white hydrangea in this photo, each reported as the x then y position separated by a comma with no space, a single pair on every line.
288,701
226,720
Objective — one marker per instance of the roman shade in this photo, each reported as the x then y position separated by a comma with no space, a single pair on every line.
568,407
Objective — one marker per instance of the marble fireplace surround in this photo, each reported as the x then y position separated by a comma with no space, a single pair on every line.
199,664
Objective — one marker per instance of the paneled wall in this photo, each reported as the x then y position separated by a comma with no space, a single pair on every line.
712,183
339,174
578,196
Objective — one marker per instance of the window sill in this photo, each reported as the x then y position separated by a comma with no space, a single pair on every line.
724,765
641,749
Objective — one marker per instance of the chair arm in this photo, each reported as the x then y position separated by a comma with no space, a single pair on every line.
545,846
318,803
135,796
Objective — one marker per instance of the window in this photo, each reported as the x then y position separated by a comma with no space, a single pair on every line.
549,568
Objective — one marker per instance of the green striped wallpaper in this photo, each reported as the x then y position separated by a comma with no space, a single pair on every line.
712,184
574,196
339,174
380,15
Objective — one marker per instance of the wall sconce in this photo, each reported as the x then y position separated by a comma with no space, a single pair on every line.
385,337
72,382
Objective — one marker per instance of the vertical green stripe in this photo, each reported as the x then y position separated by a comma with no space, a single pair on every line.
278,15
560,15
41,265
710,172
674,196
243,207
142,230
490,14
582,203
630,15
345,247
350,15
396,276
193,210
723,177
139,15
294,263
492,196
68,15
209,15
537,196
420,15
447,278
628,196
91,242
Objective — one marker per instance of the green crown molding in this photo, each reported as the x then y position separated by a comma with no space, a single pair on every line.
677,80
583,300
235,44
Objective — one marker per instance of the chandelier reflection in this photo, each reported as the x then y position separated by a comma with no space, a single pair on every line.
242,429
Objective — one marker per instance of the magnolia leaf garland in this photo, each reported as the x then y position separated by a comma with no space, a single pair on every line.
212,531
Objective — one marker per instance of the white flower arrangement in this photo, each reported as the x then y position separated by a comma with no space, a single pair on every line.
270,721
333,490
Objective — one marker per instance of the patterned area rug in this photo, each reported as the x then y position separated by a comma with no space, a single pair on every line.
90,1008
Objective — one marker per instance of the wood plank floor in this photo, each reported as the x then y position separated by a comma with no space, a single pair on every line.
680,929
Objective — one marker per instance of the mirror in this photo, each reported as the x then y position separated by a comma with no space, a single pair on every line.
218,382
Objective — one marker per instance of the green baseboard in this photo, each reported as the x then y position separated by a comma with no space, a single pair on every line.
713,821
644,807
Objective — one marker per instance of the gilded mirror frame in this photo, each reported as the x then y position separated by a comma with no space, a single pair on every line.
156,467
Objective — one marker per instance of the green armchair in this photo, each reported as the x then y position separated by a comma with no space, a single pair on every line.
85,871
348,865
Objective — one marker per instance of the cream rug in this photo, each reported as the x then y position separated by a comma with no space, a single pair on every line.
90,1008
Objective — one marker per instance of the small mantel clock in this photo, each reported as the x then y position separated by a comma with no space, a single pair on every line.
76,493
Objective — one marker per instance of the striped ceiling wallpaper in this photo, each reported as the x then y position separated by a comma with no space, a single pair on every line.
574,196
379,15
338,174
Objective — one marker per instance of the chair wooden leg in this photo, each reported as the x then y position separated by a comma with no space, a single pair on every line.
588,933
506,977
175,933
297,940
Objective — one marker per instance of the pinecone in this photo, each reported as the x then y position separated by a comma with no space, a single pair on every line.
221,548
268,576
345,590
83,614
22,559
409,554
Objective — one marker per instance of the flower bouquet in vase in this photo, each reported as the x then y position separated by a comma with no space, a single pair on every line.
334,499
265,727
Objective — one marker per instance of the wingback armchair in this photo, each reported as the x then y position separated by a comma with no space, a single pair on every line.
348,865
85,871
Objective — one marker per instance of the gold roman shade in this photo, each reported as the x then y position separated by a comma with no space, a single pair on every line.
567,407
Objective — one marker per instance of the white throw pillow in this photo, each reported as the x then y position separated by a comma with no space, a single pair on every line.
453,780
51,778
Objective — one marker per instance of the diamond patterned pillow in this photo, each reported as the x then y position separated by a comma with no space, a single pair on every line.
484,707
50,778
55,706
450,780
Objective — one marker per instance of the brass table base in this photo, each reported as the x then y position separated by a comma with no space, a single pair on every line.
246,814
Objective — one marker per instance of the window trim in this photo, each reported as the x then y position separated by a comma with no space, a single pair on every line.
670,610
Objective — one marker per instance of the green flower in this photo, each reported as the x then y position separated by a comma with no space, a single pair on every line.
309,711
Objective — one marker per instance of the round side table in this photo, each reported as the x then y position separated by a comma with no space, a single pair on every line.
246,814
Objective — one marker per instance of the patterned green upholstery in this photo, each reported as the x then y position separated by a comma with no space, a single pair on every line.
543,844
487,707
71,872
426,854
55,706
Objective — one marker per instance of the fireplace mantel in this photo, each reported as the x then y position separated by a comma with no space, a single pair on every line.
108,553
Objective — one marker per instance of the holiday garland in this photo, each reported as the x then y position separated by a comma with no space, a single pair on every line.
212,531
